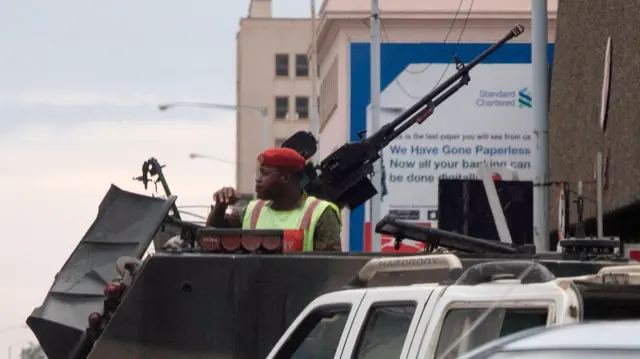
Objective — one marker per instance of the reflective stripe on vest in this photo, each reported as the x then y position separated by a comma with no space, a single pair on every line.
298,224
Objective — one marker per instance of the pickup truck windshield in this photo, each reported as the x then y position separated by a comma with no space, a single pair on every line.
499,322
566,354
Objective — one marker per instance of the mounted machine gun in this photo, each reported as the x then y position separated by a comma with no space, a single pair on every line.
342,177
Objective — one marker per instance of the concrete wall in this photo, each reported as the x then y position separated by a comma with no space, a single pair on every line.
575,134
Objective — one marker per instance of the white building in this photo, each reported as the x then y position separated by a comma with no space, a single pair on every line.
272,73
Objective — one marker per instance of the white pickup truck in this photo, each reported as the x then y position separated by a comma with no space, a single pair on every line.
439,320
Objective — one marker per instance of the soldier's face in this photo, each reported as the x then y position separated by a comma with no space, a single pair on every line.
269,182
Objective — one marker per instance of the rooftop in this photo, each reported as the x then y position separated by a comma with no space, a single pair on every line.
435,6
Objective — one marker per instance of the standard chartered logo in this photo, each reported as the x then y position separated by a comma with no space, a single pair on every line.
524,98
502,98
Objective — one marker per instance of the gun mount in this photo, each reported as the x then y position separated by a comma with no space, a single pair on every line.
152,168
342,177
583,249
434,238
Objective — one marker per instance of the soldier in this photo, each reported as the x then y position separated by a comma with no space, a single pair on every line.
311,224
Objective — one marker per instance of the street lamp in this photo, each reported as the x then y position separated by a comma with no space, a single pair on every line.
194,156
263,111
10,349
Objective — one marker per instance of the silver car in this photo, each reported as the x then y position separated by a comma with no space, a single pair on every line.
597,340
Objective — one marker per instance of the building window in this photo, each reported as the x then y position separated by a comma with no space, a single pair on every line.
282,107
279,142
282,65
302,66
302,107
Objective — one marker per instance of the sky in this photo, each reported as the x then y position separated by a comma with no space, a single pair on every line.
80,82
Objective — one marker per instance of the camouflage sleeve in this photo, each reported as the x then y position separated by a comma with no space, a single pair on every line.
326,237
236,217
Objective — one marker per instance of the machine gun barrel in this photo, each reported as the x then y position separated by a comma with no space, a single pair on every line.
401,229
423,108
344,175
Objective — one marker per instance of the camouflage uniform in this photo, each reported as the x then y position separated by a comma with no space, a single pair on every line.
327,233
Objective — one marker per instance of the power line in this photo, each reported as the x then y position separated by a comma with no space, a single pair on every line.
446,37
462,30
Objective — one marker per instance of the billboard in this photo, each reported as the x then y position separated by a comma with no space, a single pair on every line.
488,121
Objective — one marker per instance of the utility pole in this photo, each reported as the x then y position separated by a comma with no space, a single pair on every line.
540,72
599,208
315,116
375,119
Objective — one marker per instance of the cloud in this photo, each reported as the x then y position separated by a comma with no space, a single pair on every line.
52,180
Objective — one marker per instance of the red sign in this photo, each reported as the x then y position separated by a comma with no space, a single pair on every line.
634,254
387,245
407,246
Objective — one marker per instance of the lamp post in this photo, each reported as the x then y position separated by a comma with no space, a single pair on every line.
263,111
10,349
375,116
194,156
11,328
315,115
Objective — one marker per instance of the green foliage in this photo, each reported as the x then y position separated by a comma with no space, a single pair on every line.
32,351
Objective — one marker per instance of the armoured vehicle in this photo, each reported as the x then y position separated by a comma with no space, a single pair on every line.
233,293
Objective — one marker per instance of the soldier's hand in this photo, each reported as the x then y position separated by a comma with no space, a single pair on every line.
226,195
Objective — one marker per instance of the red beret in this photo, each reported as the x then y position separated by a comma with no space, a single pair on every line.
282,157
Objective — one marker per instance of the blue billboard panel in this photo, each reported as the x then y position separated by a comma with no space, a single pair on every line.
488,120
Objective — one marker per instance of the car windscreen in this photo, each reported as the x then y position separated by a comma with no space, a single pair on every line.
458,334
565,354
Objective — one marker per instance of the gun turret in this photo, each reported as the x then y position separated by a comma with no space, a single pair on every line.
342,177
152,168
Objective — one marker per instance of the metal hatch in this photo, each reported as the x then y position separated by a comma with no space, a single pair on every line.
125,226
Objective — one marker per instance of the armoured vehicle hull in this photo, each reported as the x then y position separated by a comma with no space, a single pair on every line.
221,306
197,305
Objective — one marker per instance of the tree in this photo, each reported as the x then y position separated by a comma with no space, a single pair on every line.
32,351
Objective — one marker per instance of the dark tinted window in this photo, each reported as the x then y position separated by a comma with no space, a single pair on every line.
302,107
282,107
384,332
317,336
282,65
302,66
567,354
459,335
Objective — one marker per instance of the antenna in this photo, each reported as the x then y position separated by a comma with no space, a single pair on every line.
580,233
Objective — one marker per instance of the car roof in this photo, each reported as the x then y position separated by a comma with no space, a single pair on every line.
593,335
617,334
